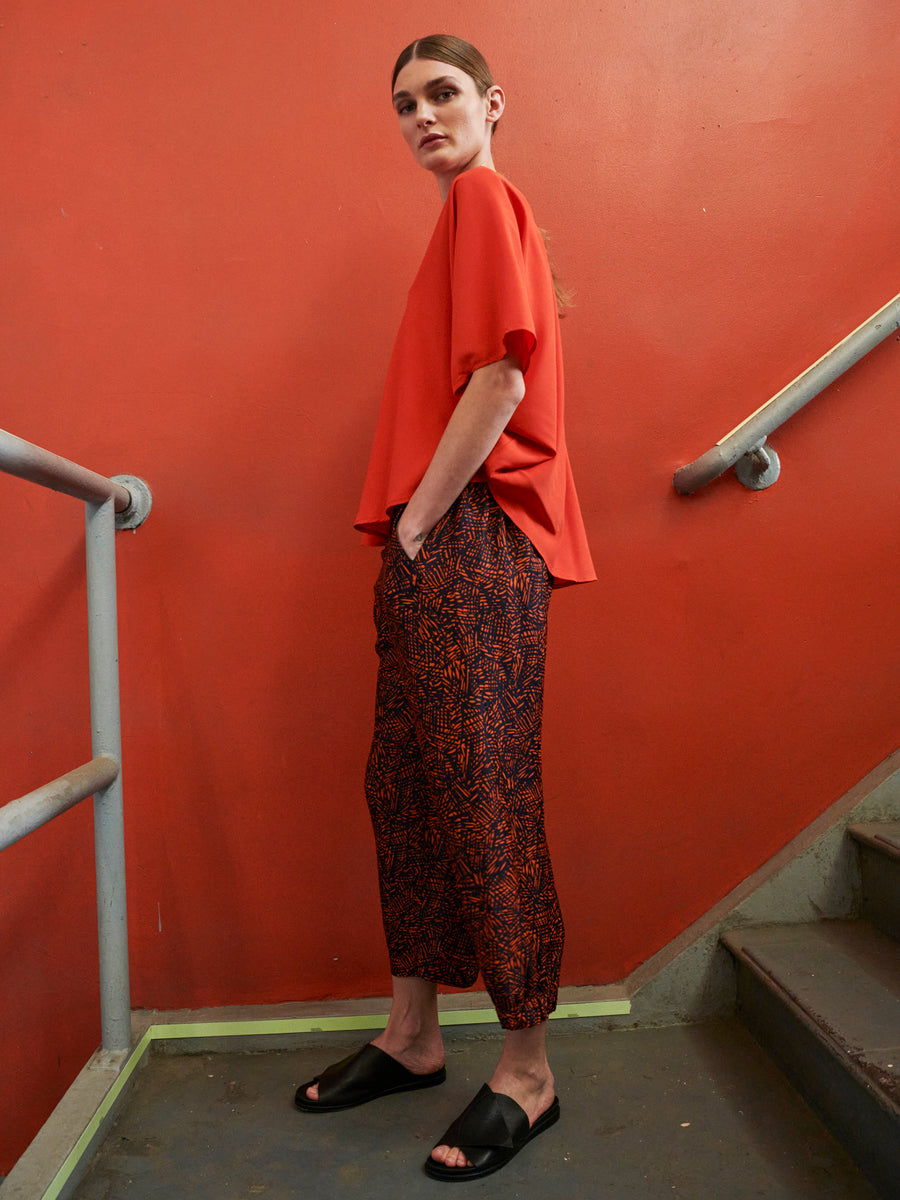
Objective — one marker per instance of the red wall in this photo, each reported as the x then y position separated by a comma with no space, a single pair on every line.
209,226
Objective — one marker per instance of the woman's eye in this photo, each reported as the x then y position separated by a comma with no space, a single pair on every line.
448,95
403,109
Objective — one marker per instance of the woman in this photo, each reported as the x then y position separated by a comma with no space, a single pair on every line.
469,490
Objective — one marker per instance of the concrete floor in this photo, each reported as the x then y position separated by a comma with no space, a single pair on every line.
697,1112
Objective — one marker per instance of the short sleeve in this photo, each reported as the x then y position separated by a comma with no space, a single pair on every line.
491,310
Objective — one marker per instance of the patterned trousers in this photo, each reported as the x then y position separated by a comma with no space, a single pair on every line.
453,780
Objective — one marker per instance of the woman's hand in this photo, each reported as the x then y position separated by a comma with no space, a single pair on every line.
409,537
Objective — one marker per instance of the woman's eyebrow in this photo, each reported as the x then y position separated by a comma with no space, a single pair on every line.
430,84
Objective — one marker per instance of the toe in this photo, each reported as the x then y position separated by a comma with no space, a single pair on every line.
312,1093
450,1156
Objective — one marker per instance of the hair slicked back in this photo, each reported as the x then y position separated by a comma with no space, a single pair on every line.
444,47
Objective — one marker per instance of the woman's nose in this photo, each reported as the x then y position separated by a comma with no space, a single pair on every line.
425,115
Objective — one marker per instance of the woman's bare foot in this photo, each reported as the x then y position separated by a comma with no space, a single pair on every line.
524,1074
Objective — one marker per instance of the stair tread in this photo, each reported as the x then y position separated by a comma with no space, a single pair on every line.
846,976
885,835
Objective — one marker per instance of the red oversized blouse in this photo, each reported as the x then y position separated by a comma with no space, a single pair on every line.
484,290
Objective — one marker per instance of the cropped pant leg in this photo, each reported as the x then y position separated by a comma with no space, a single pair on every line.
454,775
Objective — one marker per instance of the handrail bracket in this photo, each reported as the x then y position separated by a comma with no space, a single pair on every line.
759,467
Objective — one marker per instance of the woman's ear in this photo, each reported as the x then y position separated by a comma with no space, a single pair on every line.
496,102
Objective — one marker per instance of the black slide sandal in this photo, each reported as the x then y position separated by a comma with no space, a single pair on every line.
490,1132
365,1075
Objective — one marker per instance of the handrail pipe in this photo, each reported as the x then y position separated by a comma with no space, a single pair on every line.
757,463
120,502
23,816
106,739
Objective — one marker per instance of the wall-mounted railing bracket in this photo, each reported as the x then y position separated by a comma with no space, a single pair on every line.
759,468
138,510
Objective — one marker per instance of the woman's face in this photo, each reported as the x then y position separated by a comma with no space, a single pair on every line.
446,122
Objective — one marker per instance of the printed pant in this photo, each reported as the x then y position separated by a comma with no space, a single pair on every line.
454,775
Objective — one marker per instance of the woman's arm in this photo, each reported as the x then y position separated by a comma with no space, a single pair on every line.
481,414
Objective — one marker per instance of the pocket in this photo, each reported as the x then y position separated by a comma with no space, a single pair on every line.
396,561
394,542
421,550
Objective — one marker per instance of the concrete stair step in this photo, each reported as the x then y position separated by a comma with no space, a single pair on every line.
824,1000
879,861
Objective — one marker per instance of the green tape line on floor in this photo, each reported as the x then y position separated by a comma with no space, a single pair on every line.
211,1029
477,1016
75,1155
598,1008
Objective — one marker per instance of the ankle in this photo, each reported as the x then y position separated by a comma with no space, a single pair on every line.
533,1077
414,1012
421,1054
524,1059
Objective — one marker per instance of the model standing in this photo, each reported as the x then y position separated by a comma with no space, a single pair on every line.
470,493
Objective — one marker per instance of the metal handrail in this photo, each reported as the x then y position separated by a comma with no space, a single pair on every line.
757,463
101,777
23,816
27,461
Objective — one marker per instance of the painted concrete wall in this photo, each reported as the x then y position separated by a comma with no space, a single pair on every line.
209,226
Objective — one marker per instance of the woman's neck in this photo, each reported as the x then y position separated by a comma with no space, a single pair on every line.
445,180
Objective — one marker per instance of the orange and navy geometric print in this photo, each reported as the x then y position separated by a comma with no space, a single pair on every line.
453,780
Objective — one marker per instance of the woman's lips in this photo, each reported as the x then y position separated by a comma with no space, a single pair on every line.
430,139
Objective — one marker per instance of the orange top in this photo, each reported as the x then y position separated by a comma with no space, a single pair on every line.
483,291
